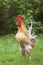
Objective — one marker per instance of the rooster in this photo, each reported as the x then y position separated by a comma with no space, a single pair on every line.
23,38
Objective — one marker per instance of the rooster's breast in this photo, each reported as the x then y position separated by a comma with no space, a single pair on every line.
20,35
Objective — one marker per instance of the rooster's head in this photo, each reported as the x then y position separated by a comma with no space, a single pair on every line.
20,19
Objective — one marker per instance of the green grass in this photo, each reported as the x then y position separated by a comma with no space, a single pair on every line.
10,55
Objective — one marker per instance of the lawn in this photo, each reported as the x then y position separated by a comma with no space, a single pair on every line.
10,55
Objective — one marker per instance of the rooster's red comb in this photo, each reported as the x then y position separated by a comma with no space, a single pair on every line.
19,18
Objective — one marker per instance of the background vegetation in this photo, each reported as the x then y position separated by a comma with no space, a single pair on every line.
30,9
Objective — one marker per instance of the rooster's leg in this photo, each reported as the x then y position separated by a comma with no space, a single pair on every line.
22,49
23,52
29,55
